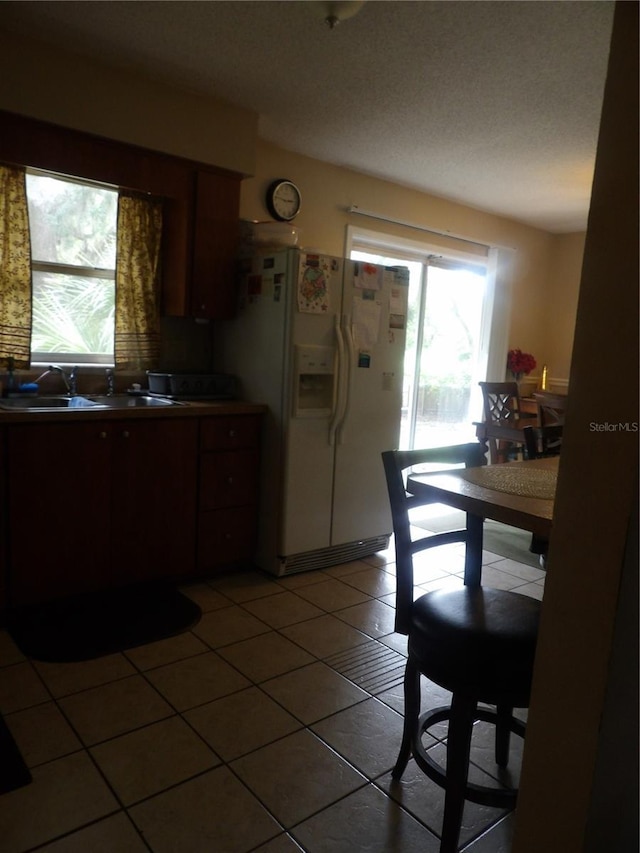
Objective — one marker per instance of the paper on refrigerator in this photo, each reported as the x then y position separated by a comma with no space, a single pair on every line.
365,322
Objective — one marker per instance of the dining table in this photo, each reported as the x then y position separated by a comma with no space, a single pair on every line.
520,494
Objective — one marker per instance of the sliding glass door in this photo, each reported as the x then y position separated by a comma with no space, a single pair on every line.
443,360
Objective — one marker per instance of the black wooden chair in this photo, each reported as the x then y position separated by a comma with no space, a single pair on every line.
477,642
543,441
501,406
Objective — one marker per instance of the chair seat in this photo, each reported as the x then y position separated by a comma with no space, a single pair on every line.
478,641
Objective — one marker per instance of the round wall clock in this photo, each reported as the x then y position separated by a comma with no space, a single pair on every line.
283,200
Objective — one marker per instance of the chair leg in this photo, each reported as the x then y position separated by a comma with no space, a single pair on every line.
411,716
503,734
458,748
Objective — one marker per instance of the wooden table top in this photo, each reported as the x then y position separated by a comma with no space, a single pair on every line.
520,494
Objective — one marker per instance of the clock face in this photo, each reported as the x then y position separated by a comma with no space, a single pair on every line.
283,200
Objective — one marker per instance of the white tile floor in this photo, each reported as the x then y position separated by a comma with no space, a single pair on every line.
271,726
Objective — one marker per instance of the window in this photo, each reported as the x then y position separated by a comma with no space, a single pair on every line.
73,249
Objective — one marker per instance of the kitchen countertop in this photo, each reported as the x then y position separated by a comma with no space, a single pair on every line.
186,409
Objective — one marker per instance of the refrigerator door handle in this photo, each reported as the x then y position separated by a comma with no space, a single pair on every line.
350,348
338,410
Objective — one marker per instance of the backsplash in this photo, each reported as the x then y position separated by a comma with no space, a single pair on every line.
186,344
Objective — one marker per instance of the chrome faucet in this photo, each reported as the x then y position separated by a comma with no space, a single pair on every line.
111,382
73,381
70,382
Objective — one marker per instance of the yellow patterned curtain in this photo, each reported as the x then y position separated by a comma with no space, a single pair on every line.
137,325
15,268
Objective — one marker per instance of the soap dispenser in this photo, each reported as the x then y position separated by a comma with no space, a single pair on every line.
9,387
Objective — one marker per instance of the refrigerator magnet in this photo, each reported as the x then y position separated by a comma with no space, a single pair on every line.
364,359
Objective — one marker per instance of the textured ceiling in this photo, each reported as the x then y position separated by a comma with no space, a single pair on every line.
492,104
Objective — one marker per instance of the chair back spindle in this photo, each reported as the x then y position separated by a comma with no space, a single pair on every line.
501,401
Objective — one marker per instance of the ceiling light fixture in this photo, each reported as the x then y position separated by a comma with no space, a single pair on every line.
337,11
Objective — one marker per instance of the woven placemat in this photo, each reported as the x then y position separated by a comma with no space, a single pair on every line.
525,482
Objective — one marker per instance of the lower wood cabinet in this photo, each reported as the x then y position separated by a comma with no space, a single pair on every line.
228,491
3,528
94,505
103,503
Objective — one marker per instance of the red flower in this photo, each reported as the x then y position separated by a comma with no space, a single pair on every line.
520,362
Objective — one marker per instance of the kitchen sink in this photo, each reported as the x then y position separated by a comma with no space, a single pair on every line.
36,404
127,401
90,402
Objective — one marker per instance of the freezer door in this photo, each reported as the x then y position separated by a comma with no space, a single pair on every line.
309,454
374,319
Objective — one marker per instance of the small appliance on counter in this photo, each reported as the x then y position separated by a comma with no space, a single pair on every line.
182,385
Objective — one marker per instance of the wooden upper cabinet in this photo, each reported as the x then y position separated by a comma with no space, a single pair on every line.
215,242
201,205
201,282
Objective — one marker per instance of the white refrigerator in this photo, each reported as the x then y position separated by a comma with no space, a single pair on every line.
320,340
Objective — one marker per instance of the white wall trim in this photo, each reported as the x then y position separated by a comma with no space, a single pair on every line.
415,249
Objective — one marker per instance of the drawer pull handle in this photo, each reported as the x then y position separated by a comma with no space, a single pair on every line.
102,434
125,433
230,480
232,433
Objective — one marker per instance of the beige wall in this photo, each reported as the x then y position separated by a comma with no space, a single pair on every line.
561,301
49,84
328,191
66,89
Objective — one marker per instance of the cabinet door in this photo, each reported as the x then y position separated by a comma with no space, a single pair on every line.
228,478
154,498
215,242
226,536
3,528
59,483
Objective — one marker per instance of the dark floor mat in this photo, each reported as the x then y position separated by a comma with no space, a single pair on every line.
14,773
90,626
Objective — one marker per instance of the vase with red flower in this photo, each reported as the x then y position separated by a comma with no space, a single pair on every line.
520,364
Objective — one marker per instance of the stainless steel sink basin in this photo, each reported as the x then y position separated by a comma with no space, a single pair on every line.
126,401
39,404
96,403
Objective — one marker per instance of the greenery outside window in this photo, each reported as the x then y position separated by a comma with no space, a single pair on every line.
73,227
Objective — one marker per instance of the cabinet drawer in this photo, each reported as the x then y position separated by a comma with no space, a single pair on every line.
226,536
229,432
228,479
